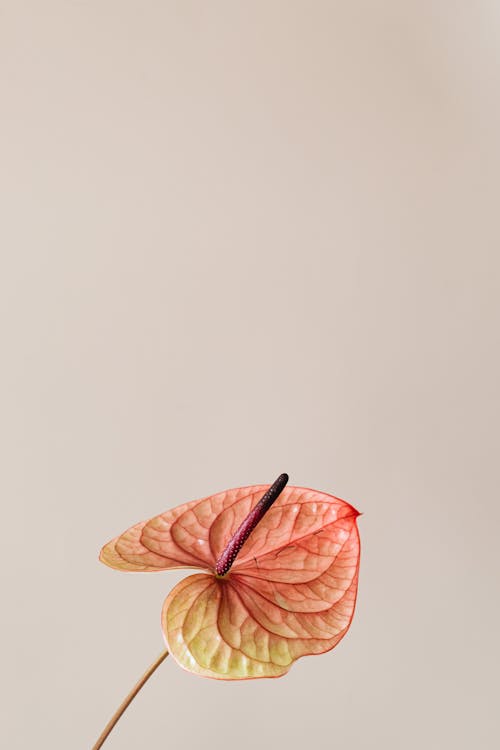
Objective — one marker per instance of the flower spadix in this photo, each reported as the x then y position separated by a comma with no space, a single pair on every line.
279,581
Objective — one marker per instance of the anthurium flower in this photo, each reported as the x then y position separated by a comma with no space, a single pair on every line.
279,577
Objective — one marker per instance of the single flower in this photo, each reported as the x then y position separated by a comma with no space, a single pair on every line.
279,581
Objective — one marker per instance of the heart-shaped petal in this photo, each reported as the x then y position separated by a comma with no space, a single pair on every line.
289,588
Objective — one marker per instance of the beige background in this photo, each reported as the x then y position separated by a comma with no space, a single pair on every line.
241,238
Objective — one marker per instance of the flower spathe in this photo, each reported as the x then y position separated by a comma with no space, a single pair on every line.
291,590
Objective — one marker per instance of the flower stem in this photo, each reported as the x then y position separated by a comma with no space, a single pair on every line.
128,700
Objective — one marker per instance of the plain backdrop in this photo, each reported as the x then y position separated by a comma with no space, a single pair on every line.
241,238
